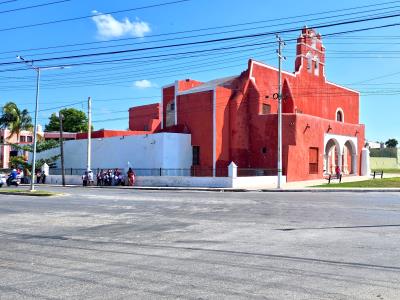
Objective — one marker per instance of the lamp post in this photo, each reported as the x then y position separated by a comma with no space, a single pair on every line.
38,71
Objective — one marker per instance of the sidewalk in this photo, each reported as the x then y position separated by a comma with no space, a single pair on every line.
299,186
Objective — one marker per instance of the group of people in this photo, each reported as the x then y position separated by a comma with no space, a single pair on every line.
109,177
41,176
20,174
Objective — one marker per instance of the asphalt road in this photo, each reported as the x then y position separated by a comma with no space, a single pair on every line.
125,244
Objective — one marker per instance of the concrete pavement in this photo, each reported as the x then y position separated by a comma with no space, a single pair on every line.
131,244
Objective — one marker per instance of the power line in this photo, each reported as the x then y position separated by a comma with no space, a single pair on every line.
90,16
218,27
33,6
8,1
218,40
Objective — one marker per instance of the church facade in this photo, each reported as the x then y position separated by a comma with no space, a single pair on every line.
234,119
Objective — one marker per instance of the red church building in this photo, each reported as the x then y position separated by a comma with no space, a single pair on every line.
234,119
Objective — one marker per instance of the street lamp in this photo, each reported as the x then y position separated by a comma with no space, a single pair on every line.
38,70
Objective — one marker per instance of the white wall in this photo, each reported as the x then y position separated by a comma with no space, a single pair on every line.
256,182
161,150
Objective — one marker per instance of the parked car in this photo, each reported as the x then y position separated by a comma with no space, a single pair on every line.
3,180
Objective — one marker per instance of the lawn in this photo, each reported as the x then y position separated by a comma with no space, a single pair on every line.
391,171
372,183
26,193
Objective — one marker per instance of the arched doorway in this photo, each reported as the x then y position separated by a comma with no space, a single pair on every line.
349,158
332,156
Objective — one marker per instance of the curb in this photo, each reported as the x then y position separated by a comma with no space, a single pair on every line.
237,190
26,194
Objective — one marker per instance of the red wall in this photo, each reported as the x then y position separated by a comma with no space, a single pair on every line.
309,102
195,113
108,133
144,116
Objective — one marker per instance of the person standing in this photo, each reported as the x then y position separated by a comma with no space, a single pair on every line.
131,177
27,176
337,171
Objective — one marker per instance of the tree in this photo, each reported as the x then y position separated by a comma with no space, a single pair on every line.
74,121
15,120
40,146
391,143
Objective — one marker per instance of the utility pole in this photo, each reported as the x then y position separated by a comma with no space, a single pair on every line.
62,148
89,140
38,70
281,43
33,171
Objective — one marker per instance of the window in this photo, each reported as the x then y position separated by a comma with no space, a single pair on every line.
29,139
339,115
196,155
170,114
316,67
313,160
309,62
264,150
22,139
266,109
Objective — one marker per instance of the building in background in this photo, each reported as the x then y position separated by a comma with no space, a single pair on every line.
235,118
7,150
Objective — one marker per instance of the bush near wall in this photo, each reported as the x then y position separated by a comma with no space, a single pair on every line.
385,152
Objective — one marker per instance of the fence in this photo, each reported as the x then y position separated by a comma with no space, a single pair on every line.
192,172
248,172
67,171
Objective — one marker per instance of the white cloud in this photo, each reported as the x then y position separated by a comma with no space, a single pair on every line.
144,84
109,27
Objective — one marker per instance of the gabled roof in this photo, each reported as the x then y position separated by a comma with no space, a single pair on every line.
210,85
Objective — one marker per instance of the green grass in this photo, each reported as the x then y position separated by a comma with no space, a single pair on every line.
27,193
389,171
372,183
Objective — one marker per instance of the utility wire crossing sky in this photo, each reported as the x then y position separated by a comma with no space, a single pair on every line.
122,53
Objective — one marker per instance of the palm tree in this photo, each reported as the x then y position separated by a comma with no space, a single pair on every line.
15,120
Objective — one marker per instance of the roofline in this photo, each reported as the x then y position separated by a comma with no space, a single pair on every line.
268,67
342,87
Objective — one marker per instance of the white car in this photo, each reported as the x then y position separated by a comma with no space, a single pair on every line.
3,180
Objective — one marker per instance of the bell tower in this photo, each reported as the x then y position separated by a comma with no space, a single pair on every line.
310,53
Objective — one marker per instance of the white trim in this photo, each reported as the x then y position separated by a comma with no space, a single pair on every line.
191,91
315,49
161,111
168,85
251,77
341,110
268,67
175,102
342,87
162,102
214,129
341,140
304,56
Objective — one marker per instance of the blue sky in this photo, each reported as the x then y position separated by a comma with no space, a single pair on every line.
365,61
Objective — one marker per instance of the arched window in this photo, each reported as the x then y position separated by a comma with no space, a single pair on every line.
309,62
316,67
339,115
